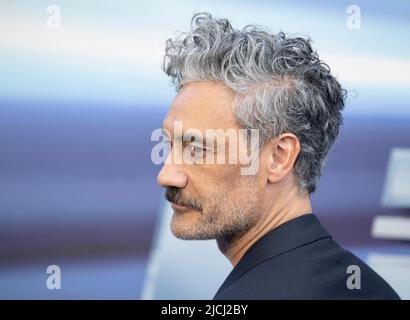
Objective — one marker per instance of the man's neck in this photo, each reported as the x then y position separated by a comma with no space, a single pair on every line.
292,206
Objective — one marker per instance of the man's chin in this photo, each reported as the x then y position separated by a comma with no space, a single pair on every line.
189,230
184,235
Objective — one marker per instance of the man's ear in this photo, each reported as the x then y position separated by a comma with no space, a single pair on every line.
282,154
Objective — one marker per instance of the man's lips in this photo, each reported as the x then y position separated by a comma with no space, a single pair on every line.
179,207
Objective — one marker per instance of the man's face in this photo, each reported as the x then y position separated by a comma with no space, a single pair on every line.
210,201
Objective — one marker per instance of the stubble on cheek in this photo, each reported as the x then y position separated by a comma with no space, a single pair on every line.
221,218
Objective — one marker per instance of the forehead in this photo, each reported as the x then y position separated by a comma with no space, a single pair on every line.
202,105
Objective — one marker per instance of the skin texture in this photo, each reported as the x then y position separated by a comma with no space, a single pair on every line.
214,201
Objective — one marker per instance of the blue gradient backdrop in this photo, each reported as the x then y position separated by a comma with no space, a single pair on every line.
78,105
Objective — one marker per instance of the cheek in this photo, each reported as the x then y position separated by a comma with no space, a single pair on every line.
214,185
226,185
208,178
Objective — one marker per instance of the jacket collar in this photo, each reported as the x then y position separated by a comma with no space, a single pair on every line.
286,237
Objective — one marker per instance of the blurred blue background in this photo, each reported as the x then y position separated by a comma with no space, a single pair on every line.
78,105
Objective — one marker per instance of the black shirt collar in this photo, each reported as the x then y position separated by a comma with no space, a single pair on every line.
286,237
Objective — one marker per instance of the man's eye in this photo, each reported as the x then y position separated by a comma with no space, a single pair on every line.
196,151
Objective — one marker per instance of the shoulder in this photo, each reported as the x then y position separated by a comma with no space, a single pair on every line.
318,270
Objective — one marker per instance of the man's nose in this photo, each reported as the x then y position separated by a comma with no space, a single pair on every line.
172,176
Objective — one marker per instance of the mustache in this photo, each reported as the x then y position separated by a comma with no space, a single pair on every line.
174,194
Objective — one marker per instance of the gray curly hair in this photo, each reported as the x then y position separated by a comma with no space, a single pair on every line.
281,85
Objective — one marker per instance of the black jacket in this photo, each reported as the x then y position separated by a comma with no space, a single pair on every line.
300,260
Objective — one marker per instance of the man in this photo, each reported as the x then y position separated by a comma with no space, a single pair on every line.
241,81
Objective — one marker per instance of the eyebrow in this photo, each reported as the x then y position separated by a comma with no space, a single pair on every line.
197,138
191,134
188,135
